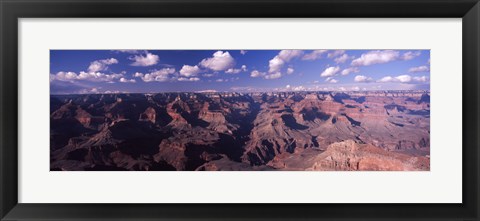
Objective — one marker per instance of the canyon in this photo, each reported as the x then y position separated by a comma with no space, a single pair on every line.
232,131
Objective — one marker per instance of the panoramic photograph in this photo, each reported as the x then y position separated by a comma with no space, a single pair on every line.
240,110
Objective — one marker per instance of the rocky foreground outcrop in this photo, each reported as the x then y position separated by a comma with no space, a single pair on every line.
234,131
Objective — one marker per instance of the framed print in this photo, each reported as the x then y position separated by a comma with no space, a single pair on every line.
287,110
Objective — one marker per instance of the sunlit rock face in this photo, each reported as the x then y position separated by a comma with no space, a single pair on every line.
380,130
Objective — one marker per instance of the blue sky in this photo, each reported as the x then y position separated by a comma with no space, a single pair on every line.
150,71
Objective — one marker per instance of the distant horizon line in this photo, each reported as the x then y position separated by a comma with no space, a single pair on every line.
207,92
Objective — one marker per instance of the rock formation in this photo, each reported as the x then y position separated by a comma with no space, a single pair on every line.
382,130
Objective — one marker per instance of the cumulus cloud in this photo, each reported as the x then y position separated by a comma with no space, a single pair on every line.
342,59
124,80
97,76
376,57
383,56
314,55
130,51
330,71
421,79
148,59
347,71
273,76
236,71
362,78
288,55
256,73
207,91
64,76
419,69
162,75
87,76
220,61
403,79
233,71
335,53
409,55
101,65
189,71
275,64
298,88
290,70
386,79
89,91
209,75
138,74
188,79
331,80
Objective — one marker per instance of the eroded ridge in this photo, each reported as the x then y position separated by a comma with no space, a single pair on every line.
367,130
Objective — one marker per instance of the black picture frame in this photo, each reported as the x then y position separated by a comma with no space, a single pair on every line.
12,10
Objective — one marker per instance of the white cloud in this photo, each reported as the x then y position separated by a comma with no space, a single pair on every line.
101,65
128,51
188,79
65,76
273,76
220,61
89,91
330,71
275,65
349,70
335,53
208,75
409,55
138,74
98,77
190,71
386,79
148,59
419,69
298,88
236,71
376,57
256,73
421,79
314,55
124,80
290,70
243,52
288,86
404,78
161,75
219,80
87,76
331,80
233,71
342,59
362,78
207,91
288,55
